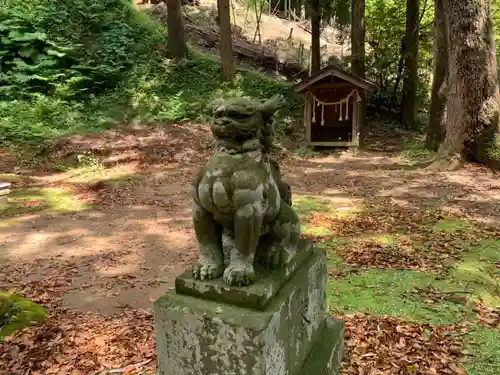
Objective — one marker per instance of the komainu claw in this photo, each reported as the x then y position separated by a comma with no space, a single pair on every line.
207,271
239,275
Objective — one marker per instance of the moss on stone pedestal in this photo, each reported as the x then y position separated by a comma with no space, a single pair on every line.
196,336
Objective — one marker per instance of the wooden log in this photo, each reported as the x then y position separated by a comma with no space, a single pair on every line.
262,56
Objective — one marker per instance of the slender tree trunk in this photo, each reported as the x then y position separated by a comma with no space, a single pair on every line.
358,59
400,67
410,78
226,43
176,44
472,106
315,36
437,111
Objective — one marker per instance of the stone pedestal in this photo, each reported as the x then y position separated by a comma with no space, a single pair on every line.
277,326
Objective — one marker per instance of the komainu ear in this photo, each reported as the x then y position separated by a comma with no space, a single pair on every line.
269,107
215,104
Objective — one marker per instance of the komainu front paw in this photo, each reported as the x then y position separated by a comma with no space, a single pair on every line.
207,271
239,274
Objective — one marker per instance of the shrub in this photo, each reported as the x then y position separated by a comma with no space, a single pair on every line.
70,48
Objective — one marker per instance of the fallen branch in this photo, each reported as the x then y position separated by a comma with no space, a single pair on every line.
263,57
453,296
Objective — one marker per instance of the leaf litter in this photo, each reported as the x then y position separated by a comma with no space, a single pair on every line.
383,345
73,342
69,342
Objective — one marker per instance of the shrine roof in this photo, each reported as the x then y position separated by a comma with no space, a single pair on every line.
336,71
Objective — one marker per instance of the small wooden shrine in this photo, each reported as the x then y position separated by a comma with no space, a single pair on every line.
331,113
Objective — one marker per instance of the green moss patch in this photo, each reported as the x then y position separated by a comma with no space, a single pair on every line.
305,205
315,231
17,313
451,225
483,346
387,292
40,200
478,273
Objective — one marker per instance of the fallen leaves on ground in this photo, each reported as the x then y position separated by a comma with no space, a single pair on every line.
164,158
75,343
414,243
383,346
487,316
370,254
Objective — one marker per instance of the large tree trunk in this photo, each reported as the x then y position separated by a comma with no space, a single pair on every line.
315,36
472,106
358,59
176,44
437,111
410,77
226,43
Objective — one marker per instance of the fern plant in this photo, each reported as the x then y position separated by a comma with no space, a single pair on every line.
29,61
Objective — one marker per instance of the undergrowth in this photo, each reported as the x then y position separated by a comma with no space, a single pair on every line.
74,67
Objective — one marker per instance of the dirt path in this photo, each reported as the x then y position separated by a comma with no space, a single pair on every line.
98,270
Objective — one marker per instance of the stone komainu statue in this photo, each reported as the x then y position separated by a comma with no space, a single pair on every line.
241,205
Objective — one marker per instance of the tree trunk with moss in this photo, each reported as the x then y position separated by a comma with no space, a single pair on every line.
176,44
226,43
472,104
358,32
437,111
410,75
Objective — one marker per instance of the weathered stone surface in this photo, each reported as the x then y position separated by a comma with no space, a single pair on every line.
256,296
239,197
327,352
203,337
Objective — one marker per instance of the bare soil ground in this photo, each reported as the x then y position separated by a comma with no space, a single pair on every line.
99,267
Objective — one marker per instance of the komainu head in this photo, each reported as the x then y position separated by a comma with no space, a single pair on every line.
245,119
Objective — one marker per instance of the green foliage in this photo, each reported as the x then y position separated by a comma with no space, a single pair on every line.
83,46
150,91
62,62
179,92
385,31
402,293
333,12
415,152
30,61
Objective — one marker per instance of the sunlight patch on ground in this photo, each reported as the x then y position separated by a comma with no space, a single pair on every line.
92,171
336,206
87,175
13,178
452,225
315,231
386,239
477,272
40,200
